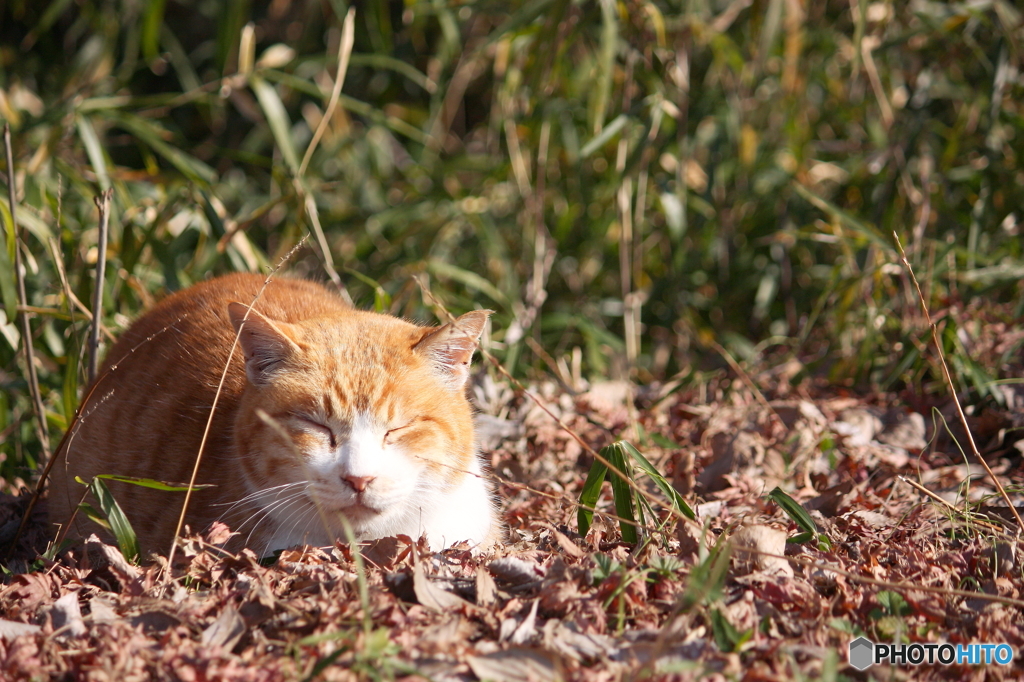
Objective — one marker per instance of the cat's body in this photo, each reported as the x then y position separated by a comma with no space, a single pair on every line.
325,412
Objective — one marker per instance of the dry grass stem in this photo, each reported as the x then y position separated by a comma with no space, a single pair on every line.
952,390
745,378
344,54
947,505
103,204
74,303
309,203
901,587
26,327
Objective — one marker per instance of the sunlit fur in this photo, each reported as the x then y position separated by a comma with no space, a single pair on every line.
339,414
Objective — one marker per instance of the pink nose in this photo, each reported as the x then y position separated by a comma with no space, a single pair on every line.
359,483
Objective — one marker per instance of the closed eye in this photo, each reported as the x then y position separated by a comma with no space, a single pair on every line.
394,434
322,429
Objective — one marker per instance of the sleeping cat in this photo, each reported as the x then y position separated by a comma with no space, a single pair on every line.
326,412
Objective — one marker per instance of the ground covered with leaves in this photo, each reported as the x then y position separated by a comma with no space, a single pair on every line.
726,597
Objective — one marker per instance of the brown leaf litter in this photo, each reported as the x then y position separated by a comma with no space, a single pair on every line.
547,604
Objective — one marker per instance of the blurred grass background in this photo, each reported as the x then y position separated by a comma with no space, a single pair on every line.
628,183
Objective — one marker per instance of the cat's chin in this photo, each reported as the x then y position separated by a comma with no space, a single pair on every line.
356,514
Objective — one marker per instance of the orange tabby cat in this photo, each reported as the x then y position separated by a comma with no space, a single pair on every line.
332,412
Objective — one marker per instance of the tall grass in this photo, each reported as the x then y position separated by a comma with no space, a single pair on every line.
633,179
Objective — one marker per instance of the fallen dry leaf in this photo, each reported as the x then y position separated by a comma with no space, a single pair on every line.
516,665
226,631
10,629
66,616
431,596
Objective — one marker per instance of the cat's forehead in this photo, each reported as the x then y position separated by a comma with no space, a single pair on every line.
359,328
363,362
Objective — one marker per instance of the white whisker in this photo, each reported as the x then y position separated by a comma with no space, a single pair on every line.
263,492
262,513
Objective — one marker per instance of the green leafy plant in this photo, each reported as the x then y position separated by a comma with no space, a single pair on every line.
707,578
604,567
799,515
632,508
111,517
665,566
373,654
889,619
727,637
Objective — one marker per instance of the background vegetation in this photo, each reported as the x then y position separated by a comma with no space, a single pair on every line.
627,183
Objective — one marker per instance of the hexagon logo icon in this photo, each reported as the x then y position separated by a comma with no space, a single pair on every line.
862,653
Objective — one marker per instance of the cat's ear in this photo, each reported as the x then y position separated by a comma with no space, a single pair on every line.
450,347
264,344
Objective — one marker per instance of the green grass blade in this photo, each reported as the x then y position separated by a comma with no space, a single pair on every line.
622,493
94,514
794,510
381,61
277,117
607,133
10,232
590,494
117,522
606,62
523,16
152,135
468,278
350,103
8,283
727,637
666,488
707,578
325,662
859,227
155,485
152,19
381,298
69,392
94,150
50,16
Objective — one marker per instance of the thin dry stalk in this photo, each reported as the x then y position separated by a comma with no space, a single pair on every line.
344,54
103,204
469,68
745,378
544,250
314,218
213,408
309,203
564,379
947,505
952,389
903,588
73,301
26,327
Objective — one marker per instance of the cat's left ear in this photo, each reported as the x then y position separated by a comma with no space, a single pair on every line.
451,346
264,344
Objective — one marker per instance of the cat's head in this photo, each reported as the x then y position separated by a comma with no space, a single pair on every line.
358,415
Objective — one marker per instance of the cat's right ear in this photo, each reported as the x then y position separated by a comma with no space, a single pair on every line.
264,344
